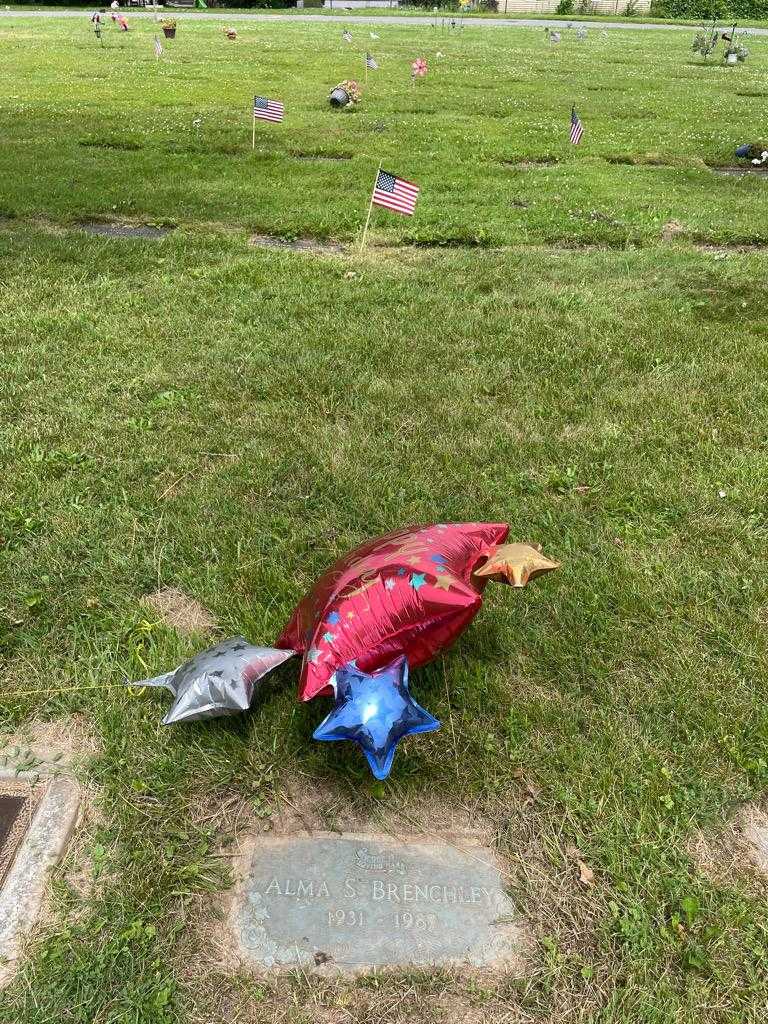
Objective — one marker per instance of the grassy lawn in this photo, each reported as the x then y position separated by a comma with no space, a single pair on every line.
197,413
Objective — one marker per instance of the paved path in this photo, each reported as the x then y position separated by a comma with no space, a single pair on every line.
367,19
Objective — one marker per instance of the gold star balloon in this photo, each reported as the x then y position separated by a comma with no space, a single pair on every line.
516,564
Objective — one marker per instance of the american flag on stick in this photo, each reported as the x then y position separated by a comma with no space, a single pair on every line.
370,63
346,35
158,48
395,193
577,128
267,110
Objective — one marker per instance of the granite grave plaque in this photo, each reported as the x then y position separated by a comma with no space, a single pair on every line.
365,900
36,818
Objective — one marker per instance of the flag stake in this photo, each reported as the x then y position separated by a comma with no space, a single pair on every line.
253,134
370,207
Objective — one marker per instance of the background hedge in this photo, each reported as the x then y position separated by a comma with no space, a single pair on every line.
739,10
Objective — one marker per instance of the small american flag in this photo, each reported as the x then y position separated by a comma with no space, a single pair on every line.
395,193
158,48
346,35
370,63
577,128
267,110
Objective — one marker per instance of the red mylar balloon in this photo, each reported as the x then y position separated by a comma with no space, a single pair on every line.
410,592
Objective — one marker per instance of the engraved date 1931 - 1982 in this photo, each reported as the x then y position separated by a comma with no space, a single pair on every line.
403,920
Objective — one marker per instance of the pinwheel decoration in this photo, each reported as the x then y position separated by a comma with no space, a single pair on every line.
381,611
418,68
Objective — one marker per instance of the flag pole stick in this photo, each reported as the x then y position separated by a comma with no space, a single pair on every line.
253,132
370,207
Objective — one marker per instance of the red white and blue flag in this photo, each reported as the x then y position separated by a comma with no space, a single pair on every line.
577,128
395,193
267,110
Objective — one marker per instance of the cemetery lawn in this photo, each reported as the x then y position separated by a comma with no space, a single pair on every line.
197,413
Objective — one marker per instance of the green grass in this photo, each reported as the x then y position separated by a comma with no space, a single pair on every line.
193,412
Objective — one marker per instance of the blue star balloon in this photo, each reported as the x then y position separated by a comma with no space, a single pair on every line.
375,711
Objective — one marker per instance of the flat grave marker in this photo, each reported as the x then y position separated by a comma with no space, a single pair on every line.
14,818
36,819
359,901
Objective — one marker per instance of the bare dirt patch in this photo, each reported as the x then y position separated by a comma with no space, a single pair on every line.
180,611
672,229
48,748
737,849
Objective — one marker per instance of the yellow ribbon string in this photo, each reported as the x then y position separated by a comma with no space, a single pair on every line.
135,691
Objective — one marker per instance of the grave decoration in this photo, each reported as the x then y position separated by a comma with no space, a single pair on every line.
346,94
230,33
756,153
96,22
375,710
387,607
705,40
169,28
365,901
735,52
418,68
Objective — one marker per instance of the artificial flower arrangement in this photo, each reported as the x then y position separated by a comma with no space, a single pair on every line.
706,40
345,94
756,153
735,52
169,28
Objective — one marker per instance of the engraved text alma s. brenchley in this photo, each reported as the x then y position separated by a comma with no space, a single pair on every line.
380,889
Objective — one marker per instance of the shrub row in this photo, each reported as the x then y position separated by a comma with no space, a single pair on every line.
704,10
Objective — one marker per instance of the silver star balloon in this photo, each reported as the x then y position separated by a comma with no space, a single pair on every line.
219,681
